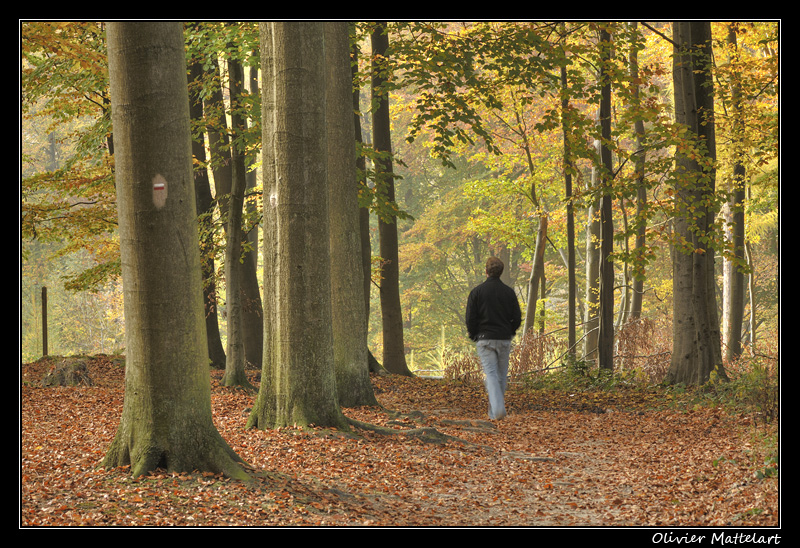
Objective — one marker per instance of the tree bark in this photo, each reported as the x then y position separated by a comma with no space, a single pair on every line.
236,362
537,275
298,383
605,343
166,418
733,276
568,167
349,319
394,356
205,208
592,318
253,311
696,350
363,215
640,220
222,163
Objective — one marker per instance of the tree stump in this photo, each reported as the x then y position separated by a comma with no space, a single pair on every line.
68,372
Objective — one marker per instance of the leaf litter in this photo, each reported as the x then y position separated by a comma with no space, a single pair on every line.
558,460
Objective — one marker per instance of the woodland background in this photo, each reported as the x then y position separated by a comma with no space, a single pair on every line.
451,219
474,178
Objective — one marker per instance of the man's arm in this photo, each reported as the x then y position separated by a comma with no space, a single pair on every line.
516,312
471,317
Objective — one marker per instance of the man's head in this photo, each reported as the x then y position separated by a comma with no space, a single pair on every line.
494,267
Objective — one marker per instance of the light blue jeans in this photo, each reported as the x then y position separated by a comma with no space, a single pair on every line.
494,355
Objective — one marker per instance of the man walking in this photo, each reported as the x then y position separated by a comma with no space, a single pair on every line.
493,317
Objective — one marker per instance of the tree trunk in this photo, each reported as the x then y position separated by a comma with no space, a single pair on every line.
640,221
363,214
696,351
253,311
236,362
205,208
571,284
733,276
298,383
605,342
394,356
537,276
222,163
592,318
349,319
166,418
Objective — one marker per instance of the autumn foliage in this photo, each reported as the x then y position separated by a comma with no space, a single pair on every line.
608,458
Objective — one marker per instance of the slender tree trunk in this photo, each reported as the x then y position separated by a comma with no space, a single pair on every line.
571,283
222,163
625,292
536,281
298,383
537,275
394,356
236,362
696,351
751,289
605,343
733,275
253,311
218,142
205,208
166,418
349,319
592,318
363,214
640,221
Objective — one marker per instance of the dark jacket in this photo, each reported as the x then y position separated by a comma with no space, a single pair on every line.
492,311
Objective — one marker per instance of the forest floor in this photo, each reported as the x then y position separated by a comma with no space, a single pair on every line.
573,460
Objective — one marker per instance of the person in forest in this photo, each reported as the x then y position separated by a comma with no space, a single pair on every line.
493,316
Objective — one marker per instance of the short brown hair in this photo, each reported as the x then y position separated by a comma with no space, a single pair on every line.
494,267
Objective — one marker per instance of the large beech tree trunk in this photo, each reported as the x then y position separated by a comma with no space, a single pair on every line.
298,383
696,349
166,418
349,318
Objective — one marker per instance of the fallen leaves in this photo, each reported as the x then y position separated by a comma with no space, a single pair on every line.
593,460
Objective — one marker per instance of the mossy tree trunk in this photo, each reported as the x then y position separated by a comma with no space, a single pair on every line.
696,347
166,418
298,383
349,317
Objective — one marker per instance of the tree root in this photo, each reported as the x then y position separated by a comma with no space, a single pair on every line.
425,434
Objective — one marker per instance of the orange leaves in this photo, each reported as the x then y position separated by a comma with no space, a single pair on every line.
555,461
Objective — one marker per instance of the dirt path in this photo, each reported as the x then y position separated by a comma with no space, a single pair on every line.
556,461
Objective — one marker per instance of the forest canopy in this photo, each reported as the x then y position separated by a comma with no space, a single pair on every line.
500,146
